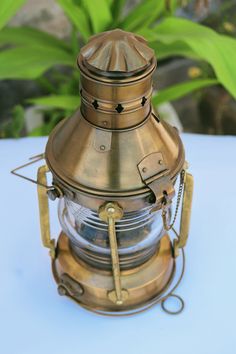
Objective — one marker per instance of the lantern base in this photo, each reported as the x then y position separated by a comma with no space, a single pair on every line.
90,286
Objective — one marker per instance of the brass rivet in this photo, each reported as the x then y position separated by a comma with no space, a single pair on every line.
102,147
160,162
104,122
144,169
81,291
61,290
52,194
119,302
111,210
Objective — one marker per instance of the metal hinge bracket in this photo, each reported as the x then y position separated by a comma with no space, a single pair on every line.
155,175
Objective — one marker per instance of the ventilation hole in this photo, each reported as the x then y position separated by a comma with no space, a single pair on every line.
144,100
157,119
95,104
119,108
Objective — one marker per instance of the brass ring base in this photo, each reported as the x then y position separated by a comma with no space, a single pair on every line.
90,287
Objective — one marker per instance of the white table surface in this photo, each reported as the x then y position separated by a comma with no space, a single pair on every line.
35,319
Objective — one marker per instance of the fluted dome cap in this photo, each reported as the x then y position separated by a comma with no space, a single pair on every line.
117,53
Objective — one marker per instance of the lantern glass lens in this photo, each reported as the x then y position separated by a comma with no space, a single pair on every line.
137,233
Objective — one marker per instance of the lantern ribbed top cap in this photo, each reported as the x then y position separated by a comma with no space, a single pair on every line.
116,53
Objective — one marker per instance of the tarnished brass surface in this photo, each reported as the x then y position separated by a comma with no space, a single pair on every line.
116,104
110,212
44,211
143,283
114,156
155,175
116,68
69,286
117,52
185,214
74,161
96,152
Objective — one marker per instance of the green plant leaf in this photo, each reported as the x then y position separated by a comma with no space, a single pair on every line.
52,120
54,101
77,16
31,62
18,121
29,36
217,50
42,130
110,2
116,10
8,9
174,92
163,51
171,6
13,128
142,15
99,14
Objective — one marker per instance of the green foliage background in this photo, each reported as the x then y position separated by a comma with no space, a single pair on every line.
28,53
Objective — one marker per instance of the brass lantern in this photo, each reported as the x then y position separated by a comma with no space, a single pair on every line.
115,168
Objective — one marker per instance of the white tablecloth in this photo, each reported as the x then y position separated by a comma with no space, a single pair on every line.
34,319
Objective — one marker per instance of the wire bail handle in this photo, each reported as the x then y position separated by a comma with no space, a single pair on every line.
44,192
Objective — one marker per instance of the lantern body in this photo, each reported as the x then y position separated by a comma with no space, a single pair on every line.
114,165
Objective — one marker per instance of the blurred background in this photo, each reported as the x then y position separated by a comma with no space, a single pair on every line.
194,41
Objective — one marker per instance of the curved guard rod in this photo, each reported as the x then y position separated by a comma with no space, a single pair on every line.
44,210
114,257
110,212
185,214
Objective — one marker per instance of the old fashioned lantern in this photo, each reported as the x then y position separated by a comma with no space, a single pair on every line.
115,169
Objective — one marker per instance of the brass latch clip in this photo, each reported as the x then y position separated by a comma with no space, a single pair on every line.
155,175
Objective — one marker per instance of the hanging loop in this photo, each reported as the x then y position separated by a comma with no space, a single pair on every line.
170,312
